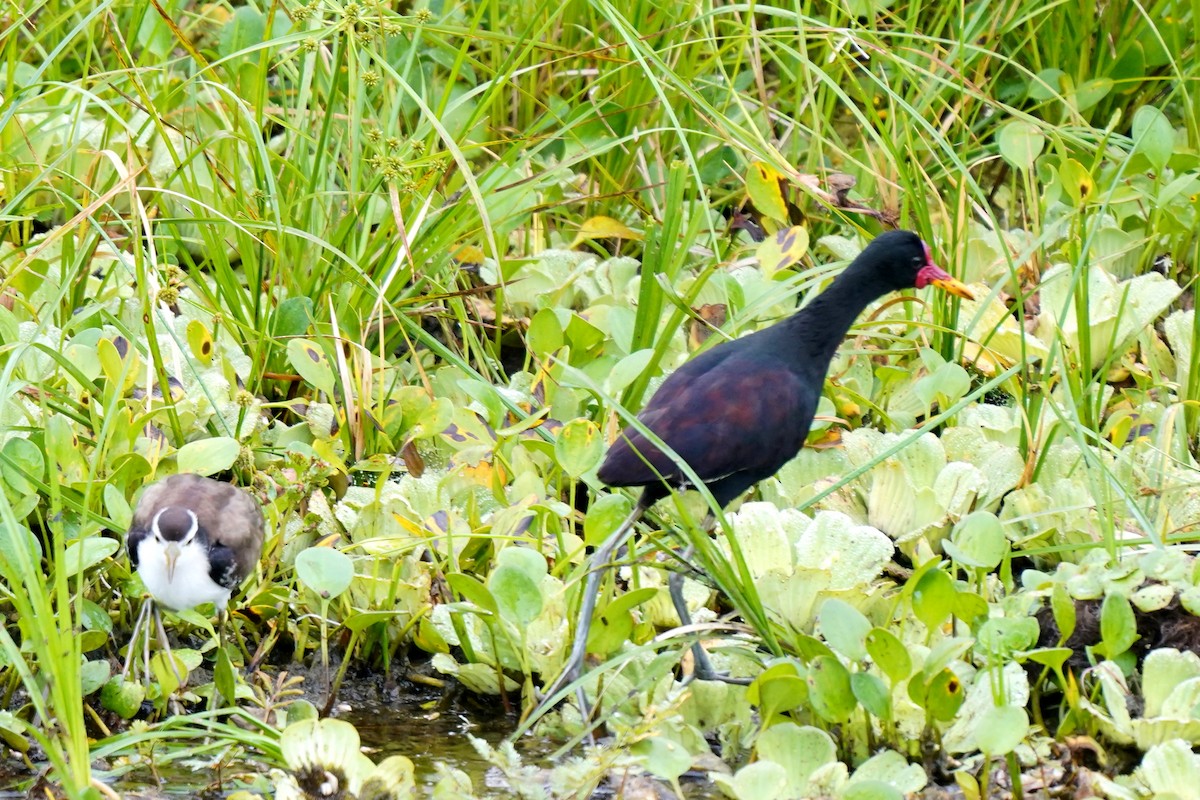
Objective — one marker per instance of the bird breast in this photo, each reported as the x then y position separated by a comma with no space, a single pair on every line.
192,585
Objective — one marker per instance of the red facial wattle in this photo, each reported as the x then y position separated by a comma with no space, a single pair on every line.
931,273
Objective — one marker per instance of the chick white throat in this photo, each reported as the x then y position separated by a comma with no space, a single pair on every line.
176,573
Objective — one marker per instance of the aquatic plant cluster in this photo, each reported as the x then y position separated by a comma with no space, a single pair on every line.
404,274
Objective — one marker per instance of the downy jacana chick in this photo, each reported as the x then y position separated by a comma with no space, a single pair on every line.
193,540
741,410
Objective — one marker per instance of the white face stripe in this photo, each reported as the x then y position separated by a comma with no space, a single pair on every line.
191,531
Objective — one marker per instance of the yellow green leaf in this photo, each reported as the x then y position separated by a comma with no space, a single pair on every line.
604,228
1077,181
782,250
764,186
200,341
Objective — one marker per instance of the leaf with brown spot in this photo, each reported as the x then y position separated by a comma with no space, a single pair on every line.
783,250
308,360
764,186
200,341
1077,181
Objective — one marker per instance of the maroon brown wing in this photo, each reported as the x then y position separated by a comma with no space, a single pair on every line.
748,413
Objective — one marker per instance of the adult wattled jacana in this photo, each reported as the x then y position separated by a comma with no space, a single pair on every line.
193,540
741,410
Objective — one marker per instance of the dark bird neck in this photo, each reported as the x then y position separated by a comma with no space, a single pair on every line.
818,329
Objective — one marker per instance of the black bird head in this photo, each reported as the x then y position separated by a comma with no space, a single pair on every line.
900,260
175,524
176,527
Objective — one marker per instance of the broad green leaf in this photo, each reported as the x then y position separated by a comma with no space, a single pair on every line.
1171,770
585,338
892,769
117,506
170,670
95,618
873,694
627,370
604,516
1001,729
336,740
123,698
1053,657
1165,671
601,227
93,675
662,757
517,595
1118,626
224,677
326,571
1090,92
1006,635
1153,136
545,335
85,553
22,466
802,750
778,690
358,621
308,360
614,623
293,317
829,689
578,447
933,598
208,456
762,780
1020,143
526,559
473,591
889,654
977,541
1118,312
870,790
245,29
62,446
1062,606
845,628
970,607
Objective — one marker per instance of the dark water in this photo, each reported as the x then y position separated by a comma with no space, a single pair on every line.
427,735
417,726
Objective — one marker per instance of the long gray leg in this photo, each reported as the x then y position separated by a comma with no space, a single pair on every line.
143,613
599,563
703,667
